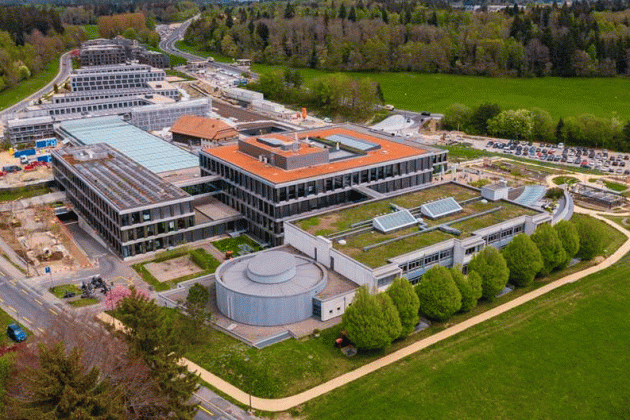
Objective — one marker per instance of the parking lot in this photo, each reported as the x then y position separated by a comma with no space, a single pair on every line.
586,158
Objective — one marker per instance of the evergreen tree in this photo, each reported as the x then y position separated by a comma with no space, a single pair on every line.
480,117
493,270
289,11
406,302
438,294
559,131
352,16
342,11
626,133
152,337
61,387
523,260
550,247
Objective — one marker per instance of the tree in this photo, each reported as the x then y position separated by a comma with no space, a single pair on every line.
475,281
470,293
365,322
550,247
482,114
61,387
55,88
493,270
591,240
542,124
289,11
391,318
512,124
406,302
152,337
456,117
438,294
569,238
523,260
196,310
626,132
560,131
130,33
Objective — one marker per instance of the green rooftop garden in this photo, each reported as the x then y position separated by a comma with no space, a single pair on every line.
343,220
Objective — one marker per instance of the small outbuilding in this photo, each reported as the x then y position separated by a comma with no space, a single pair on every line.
201,131
495,192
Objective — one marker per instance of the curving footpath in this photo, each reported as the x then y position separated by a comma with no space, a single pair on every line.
284,404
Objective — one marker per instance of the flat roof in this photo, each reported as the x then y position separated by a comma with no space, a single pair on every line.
146,149
125,183
389,150
353,223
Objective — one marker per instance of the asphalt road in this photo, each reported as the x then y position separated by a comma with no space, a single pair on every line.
167,43
64,71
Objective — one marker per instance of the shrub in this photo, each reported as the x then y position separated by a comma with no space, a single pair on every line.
406,302
438,294
493,270
570,239
591,241
554,193
523,259
470,292
550,247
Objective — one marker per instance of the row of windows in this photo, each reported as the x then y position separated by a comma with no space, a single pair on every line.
426,260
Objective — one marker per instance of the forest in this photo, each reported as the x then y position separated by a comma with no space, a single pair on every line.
583,39
30,38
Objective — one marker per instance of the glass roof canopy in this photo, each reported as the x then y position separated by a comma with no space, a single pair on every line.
149,151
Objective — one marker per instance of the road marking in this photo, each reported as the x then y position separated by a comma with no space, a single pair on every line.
27,320
40,329
24,291
13,282
1,300
13,309
205,409
39,301
53,311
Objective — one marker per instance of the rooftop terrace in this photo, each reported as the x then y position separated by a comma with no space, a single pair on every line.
370,247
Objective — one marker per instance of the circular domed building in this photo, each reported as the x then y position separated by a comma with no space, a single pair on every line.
269,288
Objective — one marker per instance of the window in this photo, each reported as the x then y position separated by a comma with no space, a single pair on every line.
146,215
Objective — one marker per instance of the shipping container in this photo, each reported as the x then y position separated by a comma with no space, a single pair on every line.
25,152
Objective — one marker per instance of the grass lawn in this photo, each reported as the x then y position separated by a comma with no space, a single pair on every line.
231,244
63,288
91,31
28,87
182,46
23,193
565,180
171,72
563,355
199,256
457,153
562,97
84,302
615,186
296,365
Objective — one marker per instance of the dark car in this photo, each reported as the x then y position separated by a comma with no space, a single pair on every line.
11,168
16,333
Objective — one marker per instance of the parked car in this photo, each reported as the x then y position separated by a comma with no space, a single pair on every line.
11,168
16,333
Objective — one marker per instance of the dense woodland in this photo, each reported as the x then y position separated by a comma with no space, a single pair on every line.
163,11
30,38
583,39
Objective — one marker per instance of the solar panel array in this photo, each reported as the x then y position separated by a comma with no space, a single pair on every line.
149,151
123,182
353,142
397,220
440,208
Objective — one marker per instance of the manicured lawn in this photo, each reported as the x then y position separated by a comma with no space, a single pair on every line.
457,153
296,365
84,302
63,288
199,256
565,180
563,355
562,97
91,31
232,244
615,186
23,193
28,87
181,45
171,72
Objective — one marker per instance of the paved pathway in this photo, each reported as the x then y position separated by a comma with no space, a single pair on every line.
283,404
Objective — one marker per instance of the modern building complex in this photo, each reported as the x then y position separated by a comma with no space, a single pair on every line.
101,52
272,178
129,171
159,116
203,132
125,76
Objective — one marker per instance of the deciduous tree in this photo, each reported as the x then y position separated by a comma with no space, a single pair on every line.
406,302
470,290
523,260
365,322
493,270
591,240
550,247
438,294
570,239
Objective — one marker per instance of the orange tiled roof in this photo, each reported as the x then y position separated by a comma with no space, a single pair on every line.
389,151
205,128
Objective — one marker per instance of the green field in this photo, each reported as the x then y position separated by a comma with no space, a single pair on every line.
562,356
28,87
91,31
562,97
23,193
181,45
